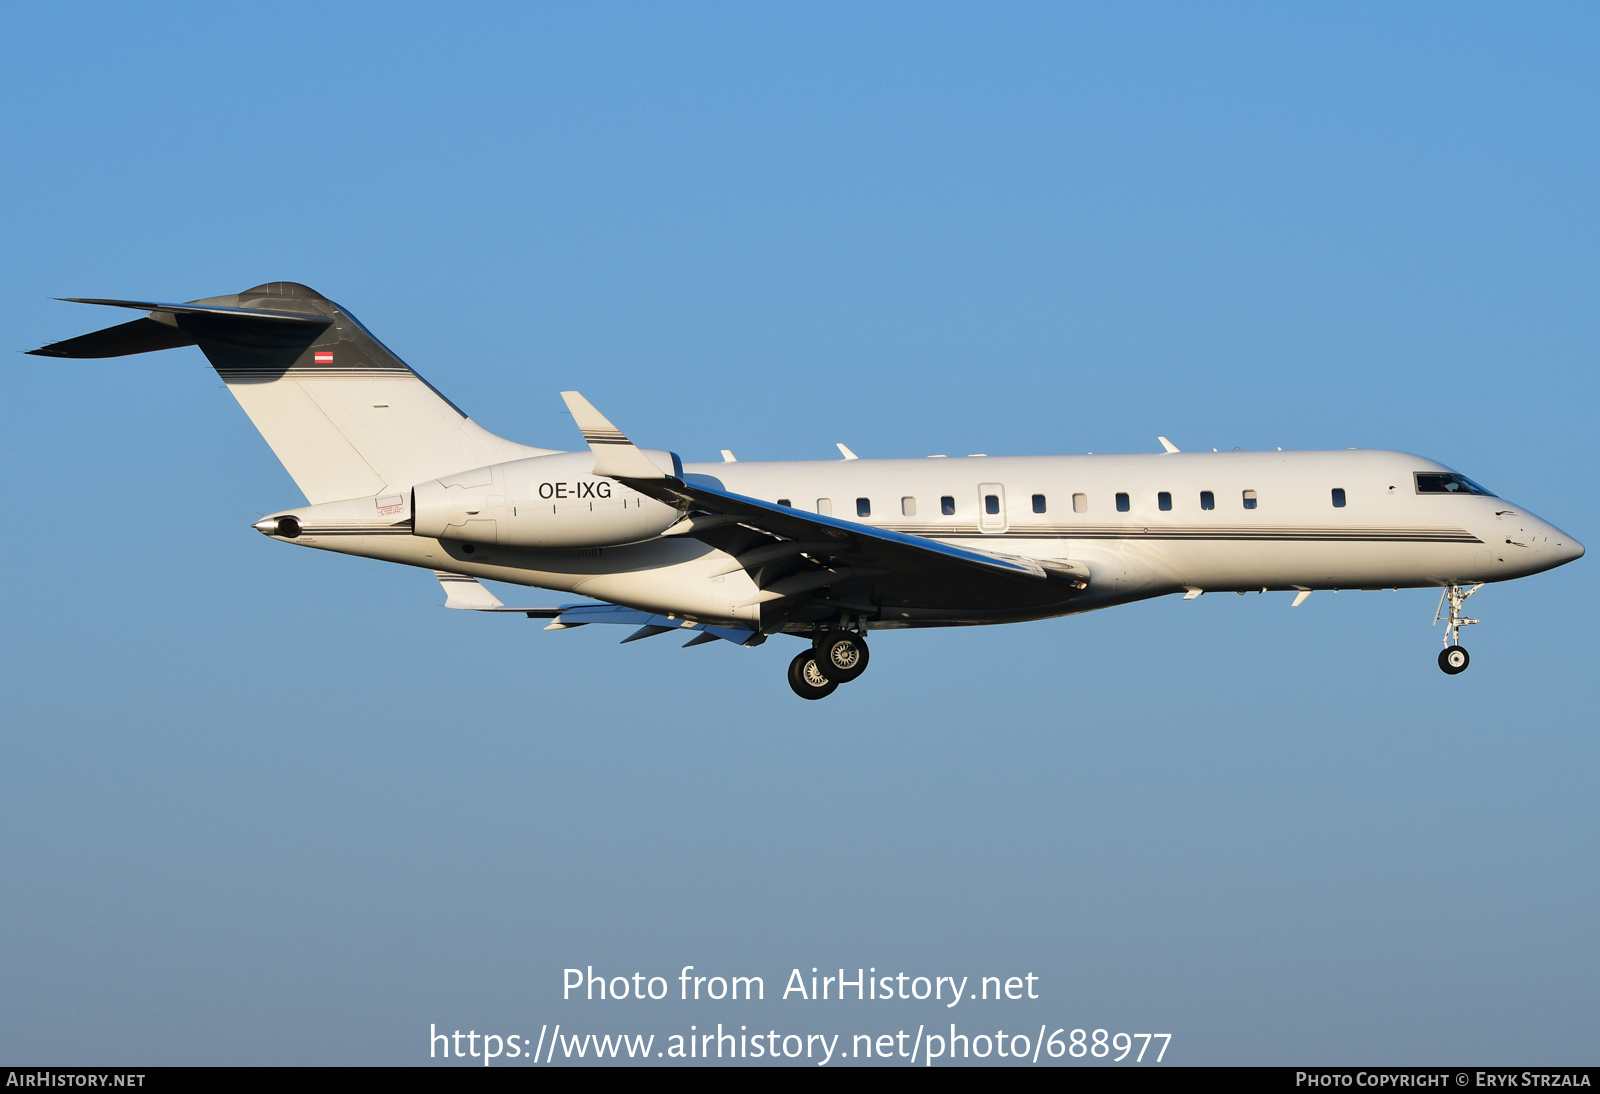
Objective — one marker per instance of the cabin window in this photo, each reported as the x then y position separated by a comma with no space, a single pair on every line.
1038,503
1208,500
1447,482
825,507
785,502
1338,497
947,505
1122,503
1164,502
908,507
1080,503
1249,499
991,504
863,507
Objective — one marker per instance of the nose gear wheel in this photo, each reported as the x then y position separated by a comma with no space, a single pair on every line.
1453,658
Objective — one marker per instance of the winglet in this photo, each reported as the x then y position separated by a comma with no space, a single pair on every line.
1168,445
615,456
461,591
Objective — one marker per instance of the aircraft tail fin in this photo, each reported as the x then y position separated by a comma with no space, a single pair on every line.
345,416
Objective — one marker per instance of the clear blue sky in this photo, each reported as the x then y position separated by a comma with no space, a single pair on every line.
260,804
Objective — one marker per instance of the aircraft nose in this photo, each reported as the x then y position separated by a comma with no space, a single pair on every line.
1565,549
1554,546
1534,545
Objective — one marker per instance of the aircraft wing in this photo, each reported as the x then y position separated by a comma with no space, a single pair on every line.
793,554
846,541
468,593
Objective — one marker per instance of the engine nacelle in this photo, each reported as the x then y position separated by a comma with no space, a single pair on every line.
543,501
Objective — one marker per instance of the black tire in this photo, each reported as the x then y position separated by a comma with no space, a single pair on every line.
1454,659
842,657
806,678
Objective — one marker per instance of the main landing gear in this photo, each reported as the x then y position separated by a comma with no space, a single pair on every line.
1454,658
833,659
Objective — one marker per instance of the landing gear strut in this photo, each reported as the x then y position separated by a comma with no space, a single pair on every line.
1454,658
835,658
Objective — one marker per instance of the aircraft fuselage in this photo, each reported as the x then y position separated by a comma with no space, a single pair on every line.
1145,525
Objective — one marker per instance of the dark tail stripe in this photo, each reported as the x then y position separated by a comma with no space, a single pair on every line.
315,372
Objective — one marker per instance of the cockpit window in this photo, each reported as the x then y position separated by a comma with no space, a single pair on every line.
1448,482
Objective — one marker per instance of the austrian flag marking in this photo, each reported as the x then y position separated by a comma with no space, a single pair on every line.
323,357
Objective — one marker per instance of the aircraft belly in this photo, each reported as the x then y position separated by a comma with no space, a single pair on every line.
679,575
683,590
666,576
1313,564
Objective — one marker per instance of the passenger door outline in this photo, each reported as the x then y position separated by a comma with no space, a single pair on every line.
991,523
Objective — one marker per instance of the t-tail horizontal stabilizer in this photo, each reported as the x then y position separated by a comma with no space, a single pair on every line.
140,336
170,326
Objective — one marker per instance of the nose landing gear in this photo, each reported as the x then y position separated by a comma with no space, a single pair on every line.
834,658
1454,658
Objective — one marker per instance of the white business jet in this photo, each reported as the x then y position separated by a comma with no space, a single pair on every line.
823,550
